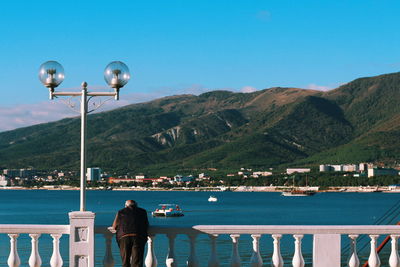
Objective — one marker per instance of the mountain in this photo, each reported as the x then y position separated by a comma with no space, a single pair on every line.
359,121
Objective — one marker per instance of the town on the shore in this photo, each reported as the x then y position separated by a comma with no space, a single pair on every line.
362,177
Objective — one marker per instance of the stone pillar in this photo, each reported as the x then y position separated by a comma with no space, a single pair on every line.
81,239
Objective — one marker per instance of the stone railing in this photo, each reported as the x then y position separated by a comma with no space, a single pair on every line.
326,244
34,231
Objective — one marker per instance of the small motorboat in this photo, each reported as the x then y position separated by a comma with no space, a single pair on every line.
167,210
212,199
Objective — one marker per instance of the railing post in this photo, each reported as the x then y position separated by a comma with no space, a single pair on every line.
298,260
81,240
353,258
151,259
326,250
13,258
277,260
235,258
192,260
171,260
256,260
373,260
394,260
56,259
213,261
108,260
34,259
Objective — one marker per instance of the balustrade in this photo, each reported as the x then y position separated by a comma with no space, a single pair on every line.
257,257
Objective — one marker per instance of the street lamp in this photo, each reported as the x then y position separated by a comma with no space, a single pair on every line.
116,74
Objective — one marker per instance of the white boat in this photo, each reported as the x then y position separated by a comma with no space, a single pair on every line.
167,210
212,199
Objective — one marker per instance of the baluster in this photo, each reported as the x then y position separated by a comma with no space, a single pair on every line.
394,260
108,260
171,260
192,260
213,261
151,259
373,260
277,260
34,259
235,258
56,260
298,260
13,258
353,258
256,260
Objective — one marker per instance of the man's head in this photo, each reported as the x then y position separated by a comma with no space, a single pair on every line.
130,203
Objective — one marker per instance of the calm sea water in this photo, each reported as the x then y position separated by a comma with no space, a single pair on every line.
52,207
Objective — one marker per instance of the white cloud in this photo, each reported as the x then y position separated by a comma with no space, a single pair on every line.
314,86
248,89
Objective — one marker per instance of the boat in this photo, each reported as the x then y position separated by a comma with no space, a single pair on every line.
296,192
212,199
167,210
299,191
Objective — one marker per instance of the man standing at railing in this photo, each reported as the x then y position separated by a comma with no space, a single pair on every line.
131,224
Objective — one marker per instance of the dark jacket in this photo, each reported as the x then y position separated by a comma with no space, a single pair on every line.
131,220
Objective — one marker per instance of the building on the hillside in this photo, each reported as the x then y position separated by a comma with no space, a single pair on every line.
351,168
263,173
93,174
180,178
3,180
22,173
297,170
325,168
113,180
140,176
381,171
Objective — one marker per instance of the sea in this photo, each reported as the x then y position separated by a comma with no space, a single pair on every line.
232,208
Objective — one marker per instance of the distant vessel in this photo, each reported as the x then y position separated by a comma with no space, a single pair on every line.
212,199
167,210
298,193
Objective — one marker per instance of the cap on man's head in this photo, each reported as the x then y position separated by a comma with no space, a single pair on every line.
130,203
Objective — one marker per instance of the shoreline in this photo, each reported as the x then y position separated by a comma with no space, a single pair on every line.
278,189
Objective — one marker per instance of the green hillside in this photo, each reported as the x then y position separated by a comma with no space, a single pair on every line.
357,122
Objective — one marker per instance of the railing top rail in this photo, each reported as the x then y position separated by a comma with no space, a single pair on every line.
33,229
269,229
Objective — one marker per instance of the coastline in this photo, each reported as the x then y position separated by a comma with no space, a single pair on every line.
341,189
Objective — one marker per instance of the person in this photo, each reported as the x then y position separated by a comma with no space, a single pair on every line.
131,225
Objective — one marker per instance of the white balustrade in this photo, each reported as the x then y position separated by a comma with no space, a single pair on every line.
34,259
108,260
192,260
394,260
151,259
298,260
171,260
235,258
277,260
373,260
256,260
13,258
353,260
213,261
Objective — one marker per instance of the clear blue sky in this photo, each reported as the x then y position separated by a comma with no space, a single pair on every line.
175,47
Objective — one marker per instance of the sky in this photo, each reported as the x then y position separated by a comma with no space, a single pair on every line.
189,47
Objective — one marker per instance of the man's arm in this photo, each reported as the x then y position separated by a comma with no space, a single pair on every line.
116,221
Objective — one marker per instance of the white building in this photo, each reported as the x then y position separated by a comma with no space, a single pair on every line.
93,174
381,171
350,168
298,170
264,173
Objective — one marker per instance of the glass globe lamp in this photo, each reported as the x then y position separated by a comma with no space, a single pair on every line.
116,74
51,74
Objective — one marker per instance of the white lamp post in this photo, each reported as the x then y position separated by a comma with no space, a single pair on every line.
116,74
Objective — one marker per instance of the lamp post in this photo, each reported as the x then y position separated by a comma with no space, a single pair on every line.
116,74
